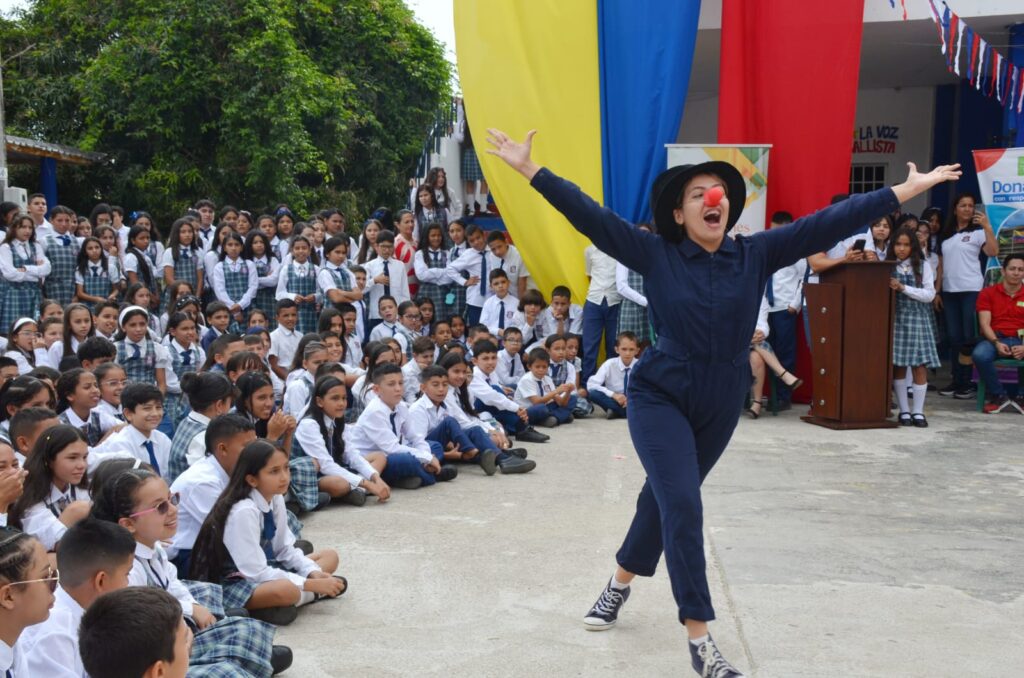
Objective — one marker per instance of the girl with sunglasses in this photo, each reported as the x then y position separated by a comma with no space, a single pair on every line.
140,501
27,583
26,346
56,493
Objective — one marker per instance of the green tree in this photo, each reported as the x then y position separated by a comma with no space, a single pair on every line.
251,102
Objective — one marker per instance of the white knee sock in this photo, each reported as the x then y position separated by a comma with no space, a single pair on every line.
920,391
900,386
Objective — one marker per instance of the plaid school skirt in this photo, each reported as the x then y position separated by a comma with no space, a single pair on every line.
471,170
913,336
633,318
304,486
235,646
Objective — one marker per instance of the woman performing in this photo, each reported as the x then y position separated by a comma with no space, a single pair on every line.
686,394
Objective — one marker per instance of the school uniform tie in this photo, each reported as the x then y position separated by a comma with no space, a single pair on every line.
152,456
95,271
483,274
62,503
501,315
184,254
555,369
267,534
540,386
769,292
501,264
186,358
437,259
394,429
65,240
625,379
136,353
387,285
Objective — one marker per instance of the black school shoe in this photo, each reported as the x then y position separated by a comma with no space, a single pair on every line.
322,500
517,452
447,473
278,616
305,546
532,435
605,612
280,658
509,463
920,421
489,461
355,497
409,483
709,662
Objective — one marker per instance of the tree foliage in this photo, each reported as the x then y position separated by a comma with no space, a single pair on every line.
251,102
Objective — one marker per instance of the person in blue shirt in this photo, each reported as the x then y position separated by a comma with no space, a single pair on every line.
686,393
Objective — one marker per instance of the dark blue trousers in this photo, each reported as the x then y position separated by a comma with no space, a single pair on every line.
449,431
405,465
538,413
606,403
473,315
682,412
598,320
510,420
959,309
782,325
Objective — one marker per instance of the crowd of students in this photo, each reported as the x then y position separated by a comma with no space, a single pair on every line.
160,435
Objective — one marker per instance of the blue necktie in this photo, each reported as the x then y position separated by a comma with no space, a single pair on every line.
501,315
268,534
437,259
152,456
186,357
769,291
66,239
394,331
184,254
554,372
501,264
95,271
394,429
387,286
483,274
625,379
540,385
136,353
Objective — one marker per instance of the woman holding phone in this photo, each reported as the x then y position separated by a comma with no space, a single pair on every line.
961,242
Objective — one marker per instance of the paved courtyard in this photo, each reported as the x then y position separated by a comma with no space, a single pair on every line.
861,553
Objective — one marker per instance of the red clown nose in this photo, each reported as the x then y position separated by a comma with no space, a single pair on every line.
713,196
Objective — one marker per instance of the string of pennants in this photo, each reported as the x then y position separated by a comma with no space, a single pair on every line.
972,58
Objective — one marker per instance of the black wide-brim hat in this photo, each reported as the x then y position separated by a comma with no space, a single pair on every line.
669,184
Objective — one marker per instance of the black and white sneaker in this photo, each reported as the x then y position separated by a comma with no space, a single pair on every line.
605,612
968,393
709,662
947,390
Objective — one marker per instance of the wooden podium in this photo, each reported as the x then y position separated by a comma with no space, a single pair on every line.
851,315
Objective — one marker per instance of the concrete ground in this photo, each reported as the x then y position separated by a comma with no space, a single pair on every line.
861,553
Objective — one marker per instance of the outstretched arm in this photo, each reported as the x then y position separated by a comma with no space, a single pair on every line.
607,230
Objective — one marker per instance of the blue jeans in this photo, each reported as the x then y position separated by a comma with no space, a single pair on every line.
984,357
606,403
959,308
783,335
598,320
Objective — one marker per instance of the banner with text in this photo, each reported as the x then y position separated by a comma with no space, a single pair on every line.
1001,178
752,162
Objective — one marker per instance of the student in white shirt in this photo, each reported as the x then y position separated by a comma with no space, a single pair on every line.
112,380
247,533
334,281
76,328
284,340
300,382
26,346
94,558
344,473
422,358
562,316
510,365
489,397
500,308
78,394
350,336
608,387
12,477
545,404
140,501
460,403
437,419
385,276
473,261
506,258
24,266
235,279
143,406
27,581
210,394
378,353
529,319
54,496
25,427
389,326
601,309
384,426
784,293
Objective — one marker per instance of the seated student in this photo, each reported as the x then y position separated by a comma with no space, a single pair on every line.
377,353
385,276
217,321
95,351
389,321
530,319
489,397
458,326
562,315
27,583
500,308
563,372
56,493
78,394
545,403
510,365
246,534
26,347
104,317
186,356
607,388
460,403
140,501
300,383
26,426
144,409
475,333
202,483
350,336
112,380
221,350
344,473
422,358
409,320
384,426
8,369
434,419
94,558
143,359
335,347
160,647
210,394
12,480
572,352
284,340
441,334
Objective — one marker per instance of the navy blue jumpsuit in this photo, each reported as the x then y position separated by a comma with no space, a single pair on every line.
686,393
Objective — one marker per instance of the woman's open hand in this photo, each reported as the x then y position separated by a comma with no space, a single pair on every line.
516,154
918,183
